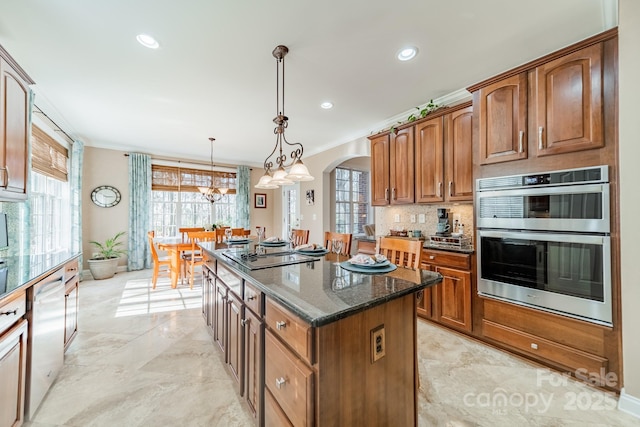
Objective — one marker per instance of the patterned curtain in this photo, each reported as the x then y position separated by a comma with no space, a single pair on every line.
243,179
139,211
75,183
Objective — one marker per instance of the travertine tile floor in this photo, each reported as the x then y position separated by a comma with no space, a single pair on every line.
144,358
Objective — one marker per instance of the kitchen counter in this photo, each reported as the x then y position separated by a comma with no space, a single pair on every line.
426,245
23,271
308,288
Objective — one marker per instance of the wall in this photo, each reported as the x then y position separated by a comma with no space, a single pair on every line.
103,167
629,131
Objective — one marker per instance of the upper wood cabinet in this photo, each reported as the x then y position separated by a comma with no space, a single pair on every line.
502,109
568,102
444,158
392,168
14,128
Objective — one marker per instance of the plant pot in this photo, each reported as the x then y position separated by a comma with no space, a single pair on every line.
103,268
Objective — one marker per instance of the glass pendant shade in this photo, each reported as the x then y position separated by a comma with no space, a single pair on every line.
299,172
280,177
265,182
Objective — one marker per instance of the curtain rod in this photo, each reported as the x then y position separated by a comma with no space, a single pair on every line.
192,162
58,128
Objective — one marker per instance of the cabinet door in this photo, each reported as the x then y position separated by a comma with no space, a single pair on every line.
380,171
14,133
429,161
13,351
253,349
459,171
503,120
401,167
423,303
235,338
219,322
454,298
71,311
569,103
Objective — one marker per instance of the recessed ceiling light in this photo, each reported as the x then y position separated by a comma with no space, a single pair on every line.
326,105
407,53
147,41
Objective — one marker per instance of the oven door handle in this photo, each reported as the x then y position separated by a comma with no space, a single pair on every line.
548,190
546,237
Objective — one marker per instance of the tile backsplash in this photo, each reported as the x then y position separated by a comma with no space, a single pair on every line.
409,218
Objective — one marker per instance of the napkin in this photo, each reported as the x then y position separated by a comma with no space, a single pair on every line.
273,239
311,246
363,259
232,238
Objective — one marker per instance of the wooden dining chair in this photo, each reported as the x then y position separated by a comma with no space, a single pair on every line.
246,233
300,237
220,234
196,258
157,261
329,236
237,231
404,253
184,232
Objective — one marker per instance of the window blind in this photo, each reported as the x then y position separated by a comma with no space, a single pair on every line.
48,156
171,178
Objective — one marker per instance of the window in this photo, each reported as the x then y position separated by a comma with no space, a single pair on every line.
50,215
352,200
177,203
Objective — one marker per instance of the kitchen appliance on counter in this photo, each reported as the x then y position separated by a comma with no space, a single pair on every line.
45,339
543,241
443,226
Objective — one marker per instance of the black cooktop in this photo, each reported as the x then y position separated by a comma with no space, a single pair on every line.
253,261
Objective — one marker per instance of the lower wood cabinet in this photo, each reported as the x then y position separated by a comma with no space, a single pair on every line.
13,360
449,302
235,339
253,330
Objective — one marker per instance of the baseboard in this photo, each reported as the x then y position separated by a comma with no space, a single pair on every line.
629,404
86,274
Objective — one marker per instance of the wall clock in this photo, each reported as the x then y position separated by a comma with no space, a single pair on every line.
105,196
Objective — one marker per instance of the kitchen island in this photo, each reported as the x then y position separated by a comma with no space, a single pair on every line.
310,343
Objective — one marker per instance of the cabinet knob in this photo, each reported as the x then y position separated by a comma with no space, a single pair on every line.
280,325
280,382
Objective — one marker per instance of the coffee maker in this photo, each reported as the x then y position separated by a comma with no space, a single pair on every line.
443,226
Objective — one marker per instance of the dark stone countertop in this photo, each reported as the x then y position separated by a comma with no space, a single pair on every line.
319,291
426,245
23,271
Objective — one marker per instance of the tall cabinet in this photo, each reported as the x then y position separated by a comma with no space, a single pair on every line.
14,128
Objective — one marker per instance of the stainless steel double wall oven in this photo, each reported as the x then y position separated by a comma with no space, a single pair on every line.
543,241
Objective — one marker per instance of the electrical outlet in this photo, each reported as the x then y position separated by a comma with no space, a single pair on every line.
421,218
413,219
396,218
378,345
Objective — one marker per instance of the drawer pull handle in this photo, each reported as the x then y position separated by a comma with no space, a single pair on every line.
280,382
432,257
540,143
9,313
251,298
244,322
534,346
280,325
520,142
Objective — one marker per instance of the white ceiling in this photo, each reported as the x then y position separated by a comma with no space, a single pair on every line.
214,74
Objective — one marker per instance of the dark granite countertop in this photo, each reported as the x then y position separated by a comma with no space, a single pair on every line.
319,291
426,245
23,271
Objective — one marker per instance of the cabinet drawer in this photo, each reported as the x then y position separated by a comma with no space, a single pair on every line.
209,261
289,380
273,415
567,356
446,259
12,310
292,330
253,299
70,269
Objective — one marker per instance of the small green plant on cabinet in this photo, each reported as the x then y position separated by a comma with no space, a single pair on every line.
110,248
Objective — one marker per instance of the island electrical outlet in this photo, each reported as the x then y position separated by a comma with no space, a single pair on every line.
378,346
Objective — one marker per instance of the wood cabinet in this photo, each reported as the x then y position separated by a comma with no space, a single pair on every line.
502,112
14,128
392,168
444,164
568,102
13,359
71,301
449,302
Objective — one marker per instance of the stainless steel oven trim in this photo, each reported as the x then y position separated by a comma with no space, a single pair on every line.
515,181
580,308
556,224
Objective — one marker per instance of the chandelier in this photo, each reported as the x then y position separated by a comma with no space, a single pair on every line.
297,171
211,193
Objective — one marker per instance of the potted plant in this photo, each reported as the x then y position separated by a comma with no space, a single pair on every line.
104,263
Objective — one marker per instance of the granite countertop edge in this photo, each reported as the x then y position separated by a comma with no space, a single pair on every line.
330,318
